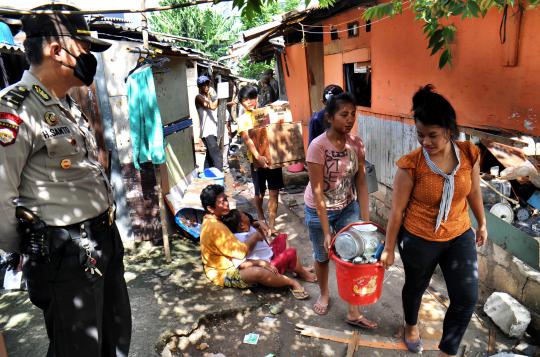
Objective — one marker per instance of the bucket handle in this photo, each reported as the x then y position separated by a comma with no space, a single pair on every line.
363,223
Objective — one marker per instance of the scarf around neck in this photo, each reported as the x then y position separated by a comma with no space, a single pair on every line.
449,185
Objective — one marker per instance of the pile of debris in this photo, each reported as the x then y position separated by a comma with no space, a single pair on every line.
511,186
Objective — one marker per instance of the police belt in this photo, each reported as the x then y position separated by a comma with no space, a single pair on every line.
100,222
58,237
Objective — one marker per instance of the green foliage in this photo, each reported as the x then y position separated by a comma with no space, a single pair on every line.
266,11
431,12
247,67
254,70
216,30
252,9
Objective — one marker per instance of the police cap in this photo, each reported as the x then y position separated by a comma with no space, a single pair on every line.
59,24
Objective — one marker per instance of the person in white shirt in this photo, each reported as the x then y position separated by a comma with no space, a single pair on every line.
276,252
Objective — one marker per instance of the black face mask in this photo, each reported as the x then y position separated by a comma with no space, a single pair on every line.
85,69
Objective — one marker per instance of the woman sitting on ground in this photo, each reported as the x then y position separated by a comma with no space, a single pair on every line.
275,252
224,256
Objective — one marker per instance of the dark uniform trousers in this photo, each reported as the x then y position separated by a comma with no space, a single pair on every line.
85,314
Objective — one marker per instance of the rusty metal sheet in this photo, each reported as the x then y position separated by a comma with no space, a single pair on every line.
508,156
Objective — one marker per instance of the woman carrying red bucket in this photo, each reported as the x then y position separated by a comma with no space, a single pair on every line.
336,167
433,189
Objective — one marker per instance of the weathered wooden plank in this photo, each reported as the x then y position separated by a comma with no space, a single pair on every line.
370,341
501,139
119,109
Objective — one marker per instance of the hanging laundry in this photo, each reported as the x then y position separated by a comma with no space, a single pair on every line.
145,119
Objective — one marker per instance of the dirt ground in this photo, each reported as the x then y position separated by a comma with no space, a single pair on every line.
177,312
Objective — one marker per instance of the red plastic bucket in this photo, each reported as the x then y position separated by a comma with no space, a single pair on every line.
358,284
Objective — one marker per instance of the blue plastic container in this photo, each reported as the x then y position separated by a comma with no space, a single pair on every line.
190,221
5,34
213,173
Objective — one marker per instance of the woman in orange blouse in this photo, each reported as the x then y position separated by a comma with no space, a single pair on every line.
433,189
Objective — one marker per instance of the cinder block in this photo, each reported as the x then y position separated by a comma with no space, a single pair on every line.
295,178
496,254
507,280
507,313
531,295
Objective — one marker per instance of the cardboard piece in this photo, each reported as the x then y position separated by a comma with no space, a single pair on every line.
282,144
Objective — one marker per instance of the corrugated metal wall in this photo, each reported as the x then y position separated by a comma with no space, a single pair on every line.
386,141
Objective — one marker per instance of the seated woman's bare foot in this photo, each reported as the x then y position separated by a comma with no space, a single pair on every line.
307,276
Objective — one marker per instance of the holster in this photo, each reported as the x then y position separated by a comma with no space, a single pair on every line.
32,230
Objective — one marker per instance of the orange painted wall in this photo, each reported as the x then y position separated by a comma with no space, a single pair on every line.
333,70
340,22
483,92
297,86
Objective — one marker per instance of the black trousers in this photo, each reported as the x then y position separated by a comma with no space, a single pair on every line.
214,156
458,261
85,314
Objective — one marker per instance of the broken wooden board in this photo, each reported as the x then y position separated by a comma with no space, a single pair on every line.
369,341
502,138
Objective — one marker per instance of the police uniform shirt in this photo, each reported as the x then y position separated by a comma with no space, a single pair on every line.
48,161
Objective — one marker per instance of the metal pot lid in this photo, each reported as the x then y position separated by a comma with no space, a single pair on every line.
504,211
365,227
523,214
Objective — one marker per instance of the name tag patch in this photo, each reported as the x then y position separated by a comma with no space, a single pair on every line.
9,128
54,132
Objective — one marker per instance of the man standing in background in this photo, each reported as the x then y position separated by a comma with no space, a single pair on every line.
206,103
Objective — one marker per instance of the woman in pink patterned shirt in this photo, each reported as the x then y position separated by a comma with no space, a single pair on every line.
337,193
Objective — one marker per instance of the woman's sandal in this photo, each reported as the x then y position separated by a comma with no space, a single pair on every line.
362,322
321,309
299,294
413,346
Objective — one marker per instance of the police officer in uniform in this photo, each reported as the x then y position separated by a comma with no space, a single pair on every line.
49,165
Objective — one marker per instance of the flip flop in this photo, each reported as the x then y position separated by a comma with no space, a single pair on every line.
362,322
299,294
322,308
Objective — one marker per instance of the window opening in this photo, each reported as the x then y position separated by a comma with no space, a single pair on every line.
358,82
352,29
334,35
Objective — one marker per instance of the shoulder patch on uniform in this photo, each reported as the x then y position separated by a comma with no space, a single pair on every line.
9,128
15,96
41,92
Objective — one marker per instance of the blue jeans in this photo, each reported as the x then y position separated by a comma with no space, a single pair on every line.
337,219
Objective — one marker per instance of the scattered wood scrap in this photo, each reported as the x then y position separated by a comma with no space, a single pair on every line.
355,340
